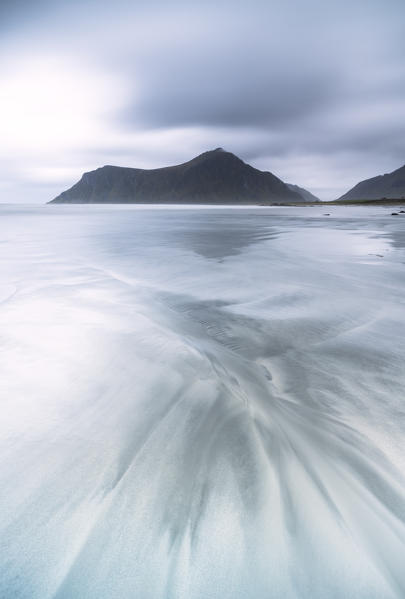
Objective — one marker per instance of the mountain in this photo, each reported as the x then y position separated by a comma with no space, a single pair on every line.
214,177
304,193
390,186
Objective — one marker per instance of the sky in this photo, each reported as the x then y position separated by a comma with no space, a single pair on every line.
311,90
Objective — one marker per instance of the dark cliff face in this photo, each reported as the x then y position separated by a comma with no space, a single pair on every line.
390,186
213,177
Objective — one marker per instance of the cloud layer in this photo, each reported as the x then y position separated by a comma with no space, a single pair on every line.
312,91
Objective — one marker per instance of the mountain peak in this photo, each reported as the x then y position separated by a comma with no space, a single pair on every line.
214,177
215,152
389,186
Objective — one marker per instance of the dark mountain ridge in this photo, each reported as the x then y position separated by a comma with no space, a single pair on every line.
214,177
388,186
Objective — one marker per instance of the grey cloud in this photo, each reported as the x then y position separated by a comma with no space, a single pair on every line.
223,94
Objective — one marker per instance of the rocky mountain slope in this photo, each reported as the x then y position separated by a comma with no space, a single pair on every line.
390,186
213,177
306,195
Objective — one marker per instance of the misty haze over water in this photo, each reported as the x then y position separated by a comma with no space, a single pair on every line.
202,402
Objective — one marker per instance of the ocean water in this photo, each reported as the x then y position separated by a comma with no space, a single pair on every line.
202,403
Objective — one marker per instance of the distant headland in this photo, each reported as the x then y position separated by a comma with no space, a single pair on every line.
214,177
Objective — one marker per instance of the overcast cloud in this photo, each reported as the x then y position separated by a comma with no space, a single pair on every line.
312,91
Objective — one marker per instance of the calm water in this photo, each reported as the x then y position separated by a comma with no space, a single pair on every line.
202,403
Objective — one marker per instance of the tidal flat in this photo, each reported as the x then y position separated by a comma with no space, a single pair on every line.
202,402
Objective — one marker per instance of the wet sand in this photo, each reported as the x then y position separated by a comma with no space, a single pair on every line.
202,402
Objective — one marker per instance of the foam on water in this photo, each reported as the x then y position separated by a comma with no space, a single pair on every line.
201,403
